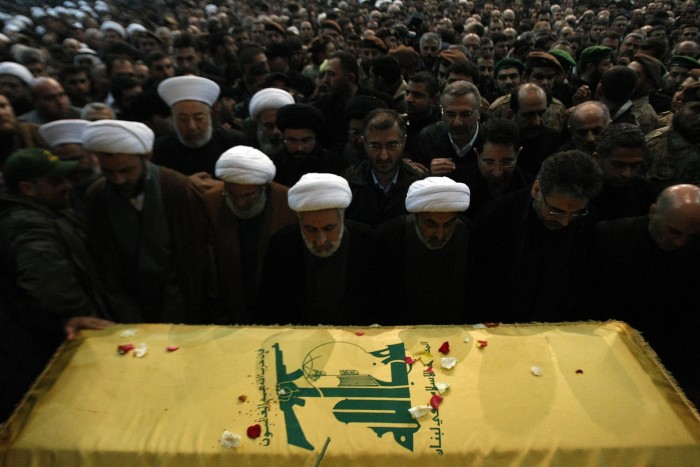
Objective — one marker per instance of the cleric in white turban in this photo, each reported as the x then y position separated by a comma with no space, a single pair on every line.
437,194
319,191
188,88
268,99
68,131
263,108
246,166
118,137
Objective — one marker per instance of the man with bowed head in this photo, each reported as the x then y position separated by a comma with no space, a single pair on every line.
147,229
244,212
263,108
321,270
424,254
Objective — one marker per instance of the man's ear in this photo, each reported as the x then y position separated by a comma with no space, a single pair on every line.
596,156
652,210
534,191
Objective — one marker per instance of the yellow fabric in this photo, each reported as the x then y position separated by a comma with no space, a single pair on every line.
93,406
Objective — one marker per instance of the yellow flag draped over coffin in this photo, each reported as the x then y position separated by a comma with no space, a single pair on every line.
601,398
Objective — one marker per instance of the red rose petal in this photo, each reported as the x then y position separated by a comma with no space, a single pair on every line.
253,431
409,360
435,401
444,348
492,325
359,333
171,348
430,370
481,344
579,372
125,348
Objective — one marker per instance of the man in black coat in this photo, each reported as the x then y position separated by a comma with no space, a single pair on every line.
531,247
321,270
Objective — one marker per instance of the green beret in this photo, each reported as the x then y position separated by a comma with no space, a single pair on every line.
565,60
683,61
539,59
594,54
509,62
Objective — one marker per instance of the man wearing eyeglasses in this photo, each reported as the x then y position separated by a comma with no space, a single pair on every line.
302,127
532,247
447,147
244,212
380,183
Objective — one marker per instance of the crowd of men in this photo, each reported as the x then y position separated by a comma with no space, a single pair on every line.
348,163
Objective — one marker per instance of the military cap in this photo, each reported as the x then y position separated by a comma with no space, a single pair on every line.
594,54
407,56
274,27
539,59
684,62
651,65
26,164
453,55
509,62
329,23
373,42
565,60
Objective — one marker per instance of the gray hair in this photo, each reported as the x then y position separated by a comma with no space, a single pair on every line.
459,89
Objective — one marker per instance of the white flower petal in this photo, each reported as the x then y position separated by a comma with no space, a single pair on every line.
442,387
448,362
537,371
419,411
141,350
230,440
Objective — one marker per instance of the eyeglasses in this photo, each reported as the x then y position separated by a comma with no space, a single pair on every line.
391,146
505,163
308,141
552,211
249,198
449,115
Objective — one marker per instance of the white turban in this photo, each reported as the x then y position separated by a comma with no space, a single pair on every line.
245,165
188,88
20,72
314,192
118,137
107,25
437,194
134,27
63,131
268,99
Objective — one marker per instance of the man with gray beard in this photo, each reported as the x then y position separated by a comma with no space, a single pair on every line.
263,114
196,145
244,211
424,254
320,271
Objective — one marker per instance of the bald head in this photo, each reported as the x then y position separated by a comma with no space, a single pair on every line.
586,122
674,220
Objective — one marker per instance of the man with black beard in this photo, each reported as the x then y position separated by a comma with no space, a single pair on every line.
65,139
147,229
302,126
673,152
497,172
244,212
320,271
263,108
422,107
196,145
424,254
